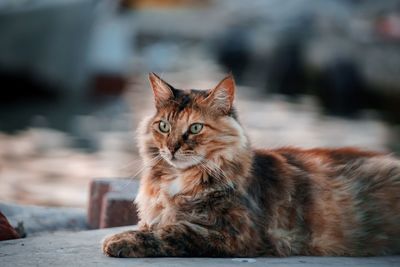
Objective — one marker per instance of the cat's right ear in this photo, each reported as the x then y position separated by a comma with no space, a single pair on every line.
163,92
220,99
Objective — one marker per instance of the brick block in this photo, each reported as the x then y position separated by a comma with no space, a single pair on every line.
98,188
106,197
118,209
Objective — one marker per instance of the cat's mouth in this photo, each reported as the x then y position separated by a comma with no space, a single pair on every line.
180,161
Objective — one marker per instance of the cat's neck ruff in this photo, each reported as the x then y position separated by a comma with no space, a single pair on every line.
219,174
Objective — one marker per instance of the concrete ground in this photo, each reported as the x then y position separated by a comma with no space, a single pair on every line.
38,220
83,249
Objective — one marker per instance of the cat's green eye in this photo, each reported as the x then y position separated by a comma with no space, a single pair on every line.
195,128
164,126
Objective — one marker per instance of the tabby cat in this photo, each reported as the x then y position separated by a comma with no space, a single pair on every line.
208,193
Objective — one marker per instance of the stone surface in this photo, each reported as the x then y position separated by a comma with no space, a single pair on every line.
37,220
84,249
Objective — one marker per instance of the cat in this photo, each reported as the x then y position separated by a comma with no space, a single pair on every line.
209,194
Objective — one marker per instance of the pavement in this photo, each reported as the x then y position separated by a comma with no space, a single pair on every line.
38,220
84,249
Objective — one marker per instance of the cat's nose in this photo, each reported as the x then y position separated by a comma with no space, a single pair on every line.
173,148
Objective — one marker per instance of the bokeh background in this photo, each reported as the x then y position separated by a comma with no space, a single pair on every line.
73,79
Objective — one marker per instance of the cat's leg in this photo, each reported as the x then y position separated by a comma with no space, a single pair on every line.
170,241
132,244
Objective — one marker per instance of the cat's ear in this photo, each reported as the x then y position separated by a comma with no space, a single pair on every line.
220,99
163,92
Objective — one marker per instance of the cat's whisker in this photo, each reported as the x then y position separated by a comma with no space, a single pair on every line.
188,154
147,165
129,164
151,163
216,172
215,168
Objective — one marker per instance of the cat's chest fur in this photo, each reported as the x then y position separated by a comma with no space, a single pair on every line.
173,186
156,208
158,202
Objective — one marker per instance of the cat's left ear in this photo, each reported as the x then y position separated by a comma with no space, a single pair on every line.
220,99
163,92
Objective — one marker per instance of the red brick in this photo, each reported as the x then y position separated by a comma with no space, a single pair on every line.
118,209
98,188
107,195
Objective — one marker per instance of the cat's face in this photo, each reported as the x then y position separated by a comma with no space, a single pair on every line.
192,127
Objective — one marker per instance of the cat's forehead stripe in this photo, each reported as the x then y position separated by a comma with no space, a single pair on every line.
186,98
184,102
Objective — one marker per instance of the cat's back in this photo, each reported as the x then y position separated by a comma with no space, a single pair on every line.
348,198
331,162
370,170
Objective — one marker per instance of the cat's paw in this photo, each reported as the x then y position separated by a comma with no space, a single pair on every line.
119,245
132,244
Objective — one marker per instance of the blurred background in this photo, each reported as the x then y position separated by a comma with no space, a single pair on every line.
73,78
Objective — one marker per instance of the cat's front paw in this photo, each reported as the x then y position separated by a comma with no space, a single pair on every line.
119,245
132,244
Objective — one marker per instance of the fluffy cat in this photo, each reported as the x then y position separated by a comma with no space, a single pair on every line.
208,193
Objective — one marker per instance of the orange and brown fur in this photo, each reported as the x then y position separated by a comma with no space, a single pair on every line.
208,193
